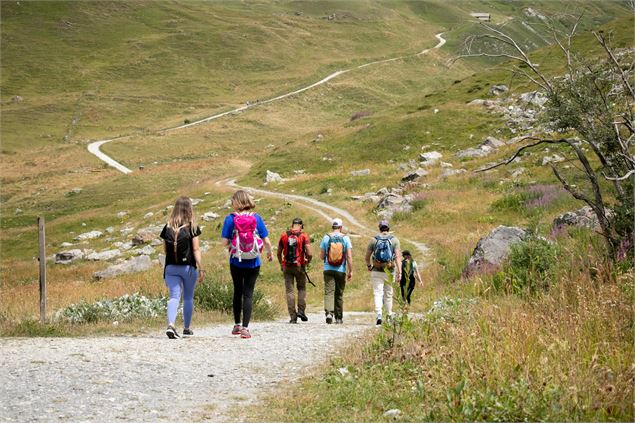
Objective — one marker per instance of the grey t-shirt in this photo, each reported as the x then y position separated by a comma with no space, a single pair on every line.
394,242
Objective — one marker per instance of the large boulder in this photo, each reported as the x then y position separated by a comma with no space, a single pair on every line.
66,257
393,203
534,97
133,265
497,89
103,255
492,142
209,216
584,218
272,177
493,249
144,236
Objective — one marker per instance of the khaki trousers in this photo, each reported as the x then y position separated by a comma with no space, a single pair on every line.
295,274
334,284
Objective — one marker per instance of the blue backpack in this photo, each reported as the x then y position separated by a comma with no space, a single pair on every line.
383,254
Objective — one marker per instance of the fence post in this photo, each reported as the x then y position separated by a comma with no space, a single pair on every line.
42,258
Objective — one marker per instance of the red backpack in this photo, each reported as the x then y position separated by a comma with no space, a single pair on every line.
293,248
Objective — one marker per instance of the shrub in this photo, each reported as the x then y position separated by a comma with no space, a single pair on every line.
215,296
529,267
125,307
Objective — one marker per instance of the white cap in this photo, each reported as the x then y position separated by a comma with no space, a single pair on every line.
337,223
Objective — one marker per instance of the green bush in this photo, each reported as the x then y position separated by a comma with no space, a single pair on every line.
125,307
529,268
214,296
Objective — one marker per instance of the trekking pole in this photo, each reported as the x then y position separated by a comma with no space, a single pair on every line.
308,278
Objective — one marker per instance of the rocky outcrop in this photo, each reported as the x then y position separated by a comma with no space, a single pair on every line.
144,236
583,218
272,177
103,255
493,249
66,257
413,176
497,90
133,265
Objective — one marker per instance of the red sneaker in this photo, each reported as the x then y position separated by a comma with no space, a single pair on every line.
244,333
236,330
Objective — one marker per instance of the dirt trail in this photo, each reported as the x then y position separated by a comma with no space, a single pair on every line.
95,146
150,378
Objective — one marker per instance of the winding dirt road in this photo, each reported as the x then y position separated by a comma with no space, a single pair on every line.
95,146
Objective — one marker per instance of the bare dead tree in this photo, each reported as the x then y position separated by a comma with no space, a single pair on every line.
595,101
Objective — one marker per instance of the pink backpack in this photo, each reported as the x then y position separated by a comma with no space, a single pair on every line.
245,244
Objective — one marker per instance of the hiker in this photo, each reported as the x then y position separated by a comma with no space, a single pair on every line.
385,252
409,272
182,259
294,254
244,234
336,251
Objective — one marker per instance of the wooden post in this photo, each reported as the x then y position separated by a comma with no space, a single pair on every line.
42,258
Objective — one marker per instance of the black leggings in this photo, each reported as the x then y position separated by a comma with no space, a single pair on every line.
411,287
244,283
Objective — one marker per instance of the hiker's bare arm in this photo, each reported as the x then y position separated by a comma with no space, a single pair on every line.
225,242
279,252
267,243
349,263
367,259
419,277
308,253
196,246
398,258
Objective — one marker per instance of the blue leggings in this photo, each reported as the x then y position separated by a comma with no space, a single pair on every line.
177,278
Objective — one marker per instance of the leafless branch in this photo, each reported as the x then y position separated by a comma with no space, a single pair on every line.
623,75
521,149
620,178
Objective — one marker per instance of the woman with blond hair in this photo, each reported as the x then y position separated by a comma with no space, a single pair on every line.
182,259
244,233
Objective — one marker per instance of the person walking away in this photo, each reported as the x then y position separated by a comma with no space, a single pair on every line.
336,250
244,234
409,272
294,254
383,252
182,259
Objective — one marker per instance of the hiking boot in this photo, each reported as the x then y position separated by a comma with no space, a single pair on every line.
329,318
302,316
338,321
244,333
188,332
236,330
378,323
293,320
172,333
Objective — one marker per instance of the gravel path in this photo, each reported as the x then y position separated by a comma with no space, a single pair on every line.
151,378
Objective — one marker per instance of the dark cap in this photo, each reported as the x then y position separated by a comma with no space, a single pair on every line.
406,253
297,221
384,224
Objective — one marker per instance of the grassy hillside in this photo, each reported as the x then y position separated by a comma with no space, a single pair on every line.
91,70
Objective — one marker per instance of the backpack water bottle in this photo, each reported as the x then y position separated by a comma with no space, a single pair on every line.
246,244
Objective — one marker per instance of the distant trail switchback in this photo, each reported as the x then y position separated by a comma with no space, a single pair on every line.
95,146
